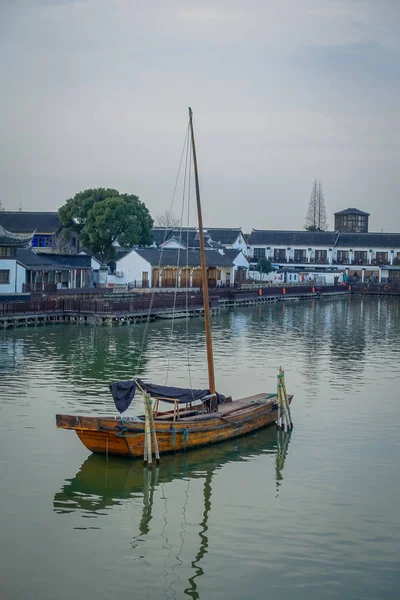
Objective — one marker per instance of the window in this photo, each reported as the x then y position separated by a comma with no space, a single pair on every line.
300,256
259,253
321,256
360,257
42,241
342,256
6,252
382,258
4,277
279,255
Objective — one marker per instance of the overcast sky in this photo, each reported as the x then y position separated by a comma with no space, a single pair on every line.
94,93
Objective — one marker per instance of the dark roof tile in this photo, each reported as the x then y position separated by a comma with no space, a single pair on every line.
28,222
273,237
7,238
53,262
323,238
370,240
352,211
219,236
170,257
224,235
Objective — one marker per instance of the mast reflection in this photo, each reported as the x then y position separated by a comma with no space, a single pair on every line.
101,485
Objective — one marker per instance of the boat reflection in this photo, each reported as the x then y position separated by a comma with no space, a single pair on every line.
102,484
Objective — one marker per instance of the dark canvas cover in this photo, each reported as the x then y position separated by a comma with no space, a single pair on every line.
123,393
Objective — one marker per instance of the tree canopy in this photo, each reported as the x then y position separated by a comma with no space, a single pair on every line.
264,265
103,217
316,215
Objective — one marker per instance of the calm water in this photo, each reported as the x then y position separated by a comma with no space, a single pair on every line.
315,514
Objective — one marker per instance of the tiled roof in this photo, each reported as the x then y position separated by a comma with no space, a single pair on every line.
331,239
352,211
370,240
52,262
14,239
224,235
232,253
28,222
219,236
171,257
271,237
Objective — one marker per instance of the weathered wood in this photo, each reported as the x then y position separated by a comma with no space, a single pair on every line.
126,438
204,276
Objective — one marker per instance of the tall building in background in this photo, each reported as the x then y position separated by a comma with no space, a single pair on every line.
351,220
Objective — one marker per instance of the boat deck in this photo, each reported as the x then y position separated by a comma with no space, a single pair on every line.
224,409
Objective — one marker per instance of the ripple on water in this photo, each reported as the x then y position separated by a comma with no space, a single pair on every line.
317,511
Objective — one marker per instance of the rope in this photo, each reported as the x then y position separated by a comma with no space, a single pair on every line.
144,336
177,263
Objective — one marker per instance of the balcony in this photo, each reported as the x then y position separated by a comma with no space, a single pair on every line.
39,286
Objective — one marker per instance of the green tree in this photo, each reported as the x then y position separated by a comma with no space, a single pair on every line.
102,217
264,266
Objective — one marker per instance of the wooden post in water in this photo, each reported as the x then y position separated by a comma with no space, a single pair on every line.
286,400
153,430
204,279
147,426
284,420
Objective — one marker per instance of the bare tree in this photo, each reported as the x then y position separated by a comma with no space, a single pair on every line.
62,242
167,220
316,215
1,206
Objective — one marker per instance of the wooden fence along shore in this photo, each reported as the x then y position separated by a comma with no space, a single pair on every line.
140,306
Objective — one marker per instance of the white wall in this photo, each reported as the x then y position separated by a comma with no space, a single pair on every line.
269,254
21,277
132,266
224,271
241,261
240,244
12,287
94,264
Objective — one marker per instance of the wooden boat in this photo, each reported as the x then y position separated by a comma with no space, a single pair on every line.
199,417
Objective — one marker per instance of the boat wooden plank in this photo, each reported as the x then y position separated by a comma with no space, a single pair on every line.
131,443
123,437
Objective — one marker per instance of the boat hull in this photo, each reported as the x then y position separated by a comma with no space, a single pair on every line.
123,437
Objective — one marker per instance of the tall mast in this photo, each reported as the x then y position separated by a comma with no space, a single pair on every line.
204,279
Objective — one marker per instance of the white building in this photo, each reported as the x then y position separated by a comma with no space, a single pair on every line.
176,267
361,255
12,274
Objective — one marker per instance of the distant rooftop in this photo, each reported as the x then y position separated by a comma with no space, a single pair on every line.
218,235
28,221
352,211
7,238
52,262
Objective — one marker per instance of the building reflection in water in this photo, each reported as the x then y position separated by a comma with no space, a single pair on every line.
102,484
